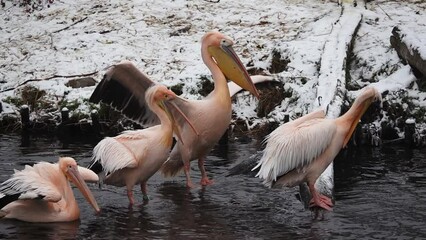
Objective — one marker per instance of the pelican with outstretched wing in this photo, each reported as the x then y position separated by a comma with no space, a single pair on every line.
299,151
124,87
42,193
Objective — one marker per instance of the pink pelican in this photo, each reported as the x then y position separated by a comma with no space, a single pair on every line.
124,88
299,151
42,193
134,156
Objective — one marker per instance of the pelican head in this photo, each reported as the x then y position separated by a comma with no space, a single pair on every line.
70,169
163,97
367,96
220,48
370,95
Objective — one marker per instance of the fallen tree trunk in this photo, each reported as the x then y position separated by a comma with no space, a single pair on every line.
331,88
409,48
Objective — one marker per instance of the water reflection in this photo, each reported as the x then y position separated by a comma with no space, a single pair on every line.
380,193
13,229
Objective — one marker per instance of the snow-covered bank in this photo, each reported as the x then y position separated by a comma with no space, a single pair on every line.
163,39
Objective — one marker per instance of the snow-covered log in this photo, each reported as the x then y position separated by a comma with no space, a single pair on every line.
410,48
331,89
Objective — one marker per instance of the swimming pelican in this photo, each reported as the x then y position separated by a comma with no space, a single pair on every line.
134,156
124,86
299,151
42,193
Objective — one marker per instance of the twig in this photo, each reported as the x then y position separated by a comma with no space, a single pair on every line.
211,1
65,28
331,30
362,36
48,78
140,20
384,12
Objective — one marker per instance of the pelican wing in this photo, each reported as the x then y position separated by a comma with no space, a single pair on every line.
31,183
235,88
313,115
293,146
114,155
123,87
87,174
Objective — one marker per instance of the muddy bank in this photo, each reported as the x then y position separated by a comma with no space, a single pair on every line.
105,121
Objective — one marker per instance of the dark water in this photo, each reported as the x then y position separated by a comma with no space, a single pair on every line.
380,194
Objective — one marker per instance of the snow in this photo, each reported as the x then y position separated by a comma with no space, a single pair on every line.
410,121
332,78
410,38
401,79
163,39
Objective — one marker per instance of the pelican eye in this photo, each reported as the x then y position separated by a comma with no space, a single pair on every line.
225,42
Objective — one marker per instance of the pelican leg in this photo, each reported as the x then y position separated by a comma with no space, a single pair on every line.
326,200
187,168
204,179
319,200
144,192
130,196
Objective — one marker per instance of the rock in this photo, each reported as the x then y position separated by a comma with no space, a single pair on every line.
408,47
81,82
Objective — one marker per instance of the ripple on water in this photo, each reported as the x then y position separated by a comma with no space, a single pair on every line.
380,193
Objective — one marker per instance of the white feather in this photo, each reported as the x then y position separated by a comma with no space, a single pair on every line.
33,182
109,151
294,145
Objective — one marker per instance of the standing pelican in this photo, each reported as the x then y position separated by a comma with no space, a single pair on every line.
299,151
124,87
42,193
134,156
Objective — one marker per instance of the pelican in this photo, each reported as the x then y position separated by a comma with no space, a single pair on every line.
42,193
134,156
299,151
124,86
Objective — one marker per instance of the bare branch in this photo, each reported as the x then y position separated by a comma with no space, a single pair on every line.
65,28
48,78
384,11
